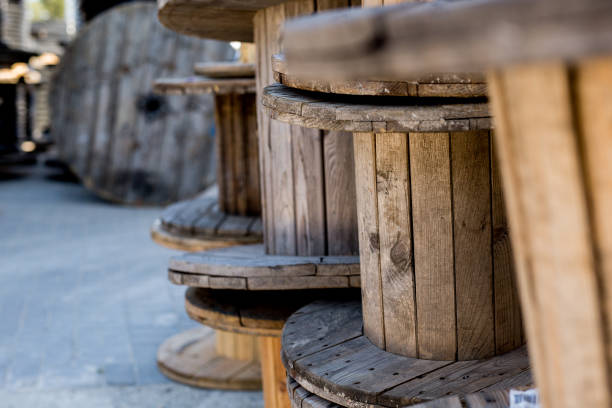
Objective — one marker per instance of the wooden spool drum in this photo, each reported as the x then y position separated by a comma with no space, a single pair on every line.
436,265
229,215
259,316
553,121
307,175
125,143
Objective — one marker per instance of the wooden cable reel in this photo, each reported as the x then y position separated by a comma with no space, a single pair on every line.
125,143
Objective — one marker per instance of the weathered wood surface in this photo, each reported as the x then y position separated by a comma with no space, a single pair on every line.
226,69
557,177
325,351
195,85
254,313
320,206
274,374
194,358
249,268
373,113
476,35
300,398
218,19
199,224
124,142
467,85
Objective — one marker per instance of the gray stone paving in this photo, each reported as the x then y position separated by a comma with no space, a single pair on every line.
85,302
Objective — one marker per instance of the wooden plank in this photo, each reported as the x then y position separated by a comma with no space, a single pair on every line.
471,190
273,373
430,179
508,320
593,109
548,210
340,194
396,256
364,146
308,177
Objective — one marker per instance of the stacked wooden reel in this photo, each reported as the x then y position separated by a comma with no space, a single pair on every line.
307,189
441,316
550,77
124,142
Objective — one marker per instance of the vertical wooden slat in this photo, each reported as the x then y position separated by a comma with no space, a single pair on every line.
396,258
593,88
508,321
472,244
309,196
341,210
540,157
274,376
252,154
239,153
433,244
236,346
364,145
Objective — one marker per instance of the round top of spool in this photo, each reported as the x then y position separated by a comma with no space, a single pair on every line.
449,85
225,69
374,114
412,38
256,313
200,84
226,20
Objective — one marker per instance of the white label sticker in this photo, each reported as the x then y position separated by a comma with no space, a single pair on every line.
524,399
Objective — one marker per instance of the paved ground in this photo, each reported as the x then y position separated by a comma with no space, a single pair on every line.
84,303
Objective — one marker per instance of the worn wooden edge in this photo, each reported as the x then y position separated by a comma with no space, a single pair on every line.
247,267
407,39
450,85
215,19
175,360
195,244
325,351
302,398
232,69
261,313
373,113
200,85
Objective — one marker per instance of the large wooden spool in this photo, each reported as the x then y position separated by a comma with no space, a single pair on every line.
554,148
436,265
125,143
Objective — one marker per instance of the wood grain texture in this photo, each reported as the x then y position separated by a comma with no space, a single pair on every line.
339,365
225,69
372,114
562,30
550,211
193,85
443,85
248,267
252,313
198,224
273,373
294,160
191,358
125,143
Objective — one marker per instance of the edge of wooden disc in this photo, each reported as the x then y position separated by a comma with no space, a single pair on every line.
446,85
225,69
191,358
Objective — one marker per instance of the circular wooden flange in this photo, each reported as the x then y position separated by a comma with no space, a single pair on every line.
225,69
448,85
374,113
195,85
324,350
499,398
217,19
197,225
247,267
402,40
191,358
255,313
124,142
